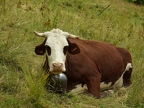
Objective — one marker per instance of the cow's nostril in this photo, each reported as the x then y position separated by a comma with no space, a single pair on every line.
57,64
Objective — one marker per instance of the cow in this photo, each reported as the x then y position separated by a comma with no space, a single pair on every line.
90,64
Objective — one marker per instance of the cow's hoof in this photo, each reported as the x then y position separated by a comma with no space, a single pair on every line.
106,93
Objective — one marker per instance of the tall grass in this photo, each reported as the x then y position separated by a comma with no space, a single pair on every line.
21,76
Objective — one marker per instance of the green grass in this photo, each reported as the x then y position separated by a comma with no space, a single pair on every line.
21,76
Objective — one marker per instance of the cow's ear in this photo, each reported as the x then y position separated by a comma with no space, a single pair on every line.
40,49
73,48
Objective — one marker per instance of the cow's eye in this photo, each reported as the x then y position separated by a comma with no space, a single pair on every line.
65,49
48,49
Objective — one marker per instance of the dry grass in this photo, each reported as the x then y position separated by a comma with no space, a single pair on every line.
21,77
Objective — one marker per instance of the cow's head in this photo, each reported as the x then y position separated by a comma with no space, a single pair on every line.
56,46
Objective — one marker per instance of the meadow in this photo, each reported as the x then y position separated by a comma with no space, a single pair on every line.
21,76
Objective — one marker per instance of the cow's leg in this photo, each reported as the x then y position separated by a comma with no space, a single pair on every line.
93,85
127,75
106,93
70,86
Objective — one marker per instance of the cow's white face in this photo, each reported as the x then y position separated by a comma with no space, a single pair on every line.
56,47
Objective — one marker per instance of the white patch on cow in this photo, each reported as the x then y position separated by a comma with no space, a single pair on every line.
79,89
129,66
103,85
119,83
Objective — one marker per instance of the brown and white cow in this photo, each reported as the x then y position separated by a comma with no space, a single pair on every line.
93,64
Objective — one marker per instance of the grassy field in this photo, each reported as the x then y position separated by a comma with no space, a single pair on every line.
21,76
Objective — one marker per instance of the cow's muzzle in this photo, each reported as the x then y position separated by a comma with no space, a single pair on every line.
57,67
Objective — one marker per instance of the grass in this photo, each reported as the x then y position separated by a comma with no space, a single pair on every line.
21,76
